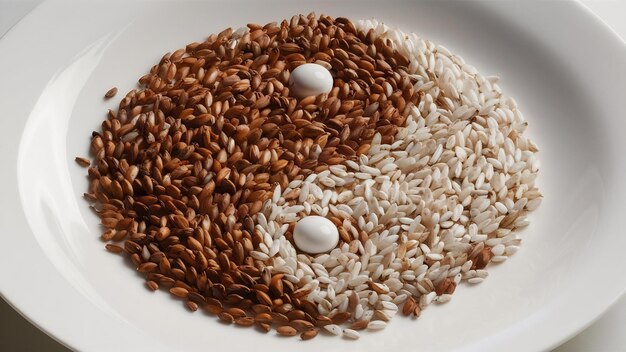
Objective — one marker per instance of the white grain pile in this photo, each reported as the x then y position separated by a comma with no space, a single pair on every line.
458,178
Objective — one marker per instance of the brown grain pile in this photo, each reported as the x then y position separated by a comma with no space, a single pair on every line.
188,159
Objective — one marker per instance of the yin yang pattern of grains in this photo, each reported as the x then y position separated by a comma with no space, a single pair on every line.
419,161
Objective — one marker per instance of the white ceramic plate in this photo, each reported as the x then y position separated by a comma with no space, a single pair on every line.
564,67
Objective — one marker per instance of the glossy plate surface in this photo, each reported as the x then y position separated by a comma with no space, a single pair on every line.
563,66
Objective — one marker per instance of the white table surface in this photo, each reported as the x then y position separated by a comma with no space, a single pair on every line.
607,334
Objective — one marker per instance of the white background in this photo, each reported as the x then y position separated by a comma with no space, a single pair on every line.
606,334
